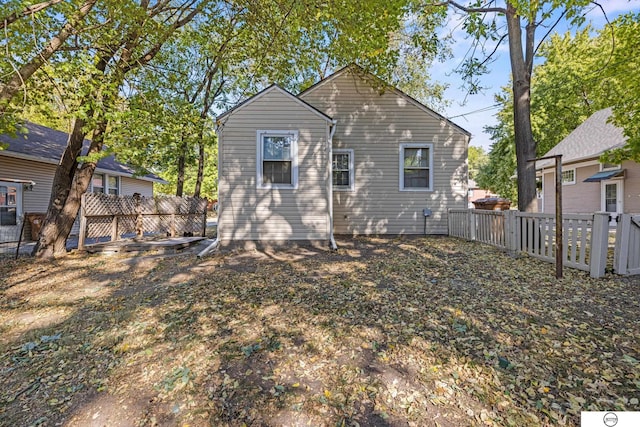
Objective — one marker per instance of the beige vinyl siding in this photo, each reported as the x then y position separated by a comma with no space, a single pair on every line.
277,214
374,126
36,200
132,185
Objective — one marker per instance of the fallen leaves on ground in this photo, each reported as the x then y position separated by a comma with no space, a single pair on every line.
385,331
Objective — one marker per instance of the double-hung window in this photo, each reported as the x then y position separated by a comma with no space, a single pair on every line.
107,184
342,170
277,159
568,176
416,167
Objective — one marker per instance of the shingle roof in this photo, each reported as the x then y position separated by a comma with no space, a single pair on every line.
46,144
589,140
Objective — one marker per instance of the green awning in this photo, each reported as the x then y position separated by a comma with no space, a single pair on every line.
601,176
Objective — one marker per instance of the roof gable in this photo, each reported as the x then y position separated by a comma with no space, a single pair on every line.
364,73
589,140
44,144
275,88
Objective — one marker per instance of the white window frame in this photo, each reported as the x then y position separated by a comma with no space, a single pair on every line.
105,183
610,168
573,170
118,181
293,134
402,147
352,181
18,201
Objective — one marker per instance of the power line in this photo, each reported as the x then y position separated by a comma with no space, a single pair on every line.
480,110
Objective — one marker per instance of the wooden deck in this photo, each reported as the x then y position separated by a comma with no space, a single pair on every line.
169,245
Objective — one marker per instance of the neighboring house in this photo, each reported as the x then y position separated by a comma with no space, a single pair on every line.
349,155
27,168
477,193
587,184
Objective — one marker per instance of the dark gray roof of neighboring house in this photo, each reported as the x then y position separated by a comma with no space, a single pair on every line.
44,144
589,140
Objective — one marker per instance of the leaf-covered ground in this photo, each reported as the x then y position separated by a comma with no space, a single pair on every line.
383,332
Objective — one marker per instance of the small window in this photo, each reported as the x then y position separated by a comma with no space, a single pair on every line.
609,166
415,167
569,176
106,184
97,183
342,170
277,159
114,185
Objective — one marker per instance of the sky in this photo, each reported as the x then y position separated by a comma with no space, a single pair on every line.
473,112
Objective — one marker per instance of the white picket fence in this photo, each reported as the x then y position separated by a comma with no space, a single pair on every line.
585,236
626,259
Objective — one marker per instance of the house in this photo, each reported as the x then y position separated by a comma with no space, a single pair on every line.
348,155
477,193
27,167
589,185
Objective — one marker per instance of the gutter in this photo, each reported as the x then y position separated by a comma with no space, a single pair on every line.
332,239
211,247
214,245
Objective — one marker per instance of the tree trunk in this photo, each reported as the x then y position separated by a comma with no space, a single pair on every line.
52,240
181,167
201,159
525,144
61,216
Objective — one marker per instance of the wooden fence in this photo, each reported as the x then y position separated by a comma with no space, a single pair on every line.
103,215
585,236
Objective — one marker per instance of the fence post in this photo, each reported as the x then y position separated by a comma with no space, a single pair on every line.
510,238
204,219
137,199
83,222
472,224
114,228
621,252
599,244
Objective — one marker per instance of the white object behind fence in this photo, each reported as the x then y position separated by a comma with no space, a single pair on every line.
627,253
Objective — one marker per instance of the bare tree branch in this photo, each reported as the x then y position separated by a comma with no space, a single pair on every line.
470,9
27,70
29,10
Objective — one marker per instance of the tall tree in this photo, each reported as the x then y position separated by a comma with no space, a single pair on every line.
517,22
477,159
581,74
221,62
141,32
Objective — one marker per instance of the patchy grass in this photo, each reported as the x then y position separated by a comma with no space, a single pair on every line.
384,332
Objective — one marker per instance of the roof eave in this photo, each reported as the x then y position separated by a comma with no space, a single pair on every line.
397,91
285,92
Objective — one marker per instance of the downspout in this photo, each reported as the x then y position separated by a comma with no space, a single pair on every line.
216,242
332,239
